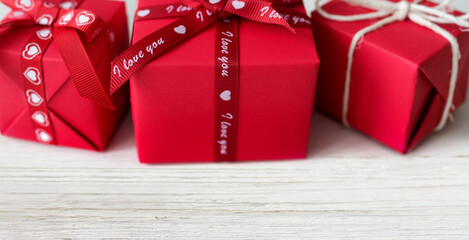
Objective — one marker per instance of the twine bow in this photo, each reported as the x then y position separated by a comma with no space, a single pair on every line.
391,12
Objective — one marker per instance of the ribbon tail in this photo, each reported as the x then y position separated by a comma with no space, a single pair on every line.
81,70
148,48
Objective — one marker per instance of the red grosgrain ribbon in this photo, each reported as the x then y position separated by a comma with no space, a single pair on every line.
197,15
31,63
64,25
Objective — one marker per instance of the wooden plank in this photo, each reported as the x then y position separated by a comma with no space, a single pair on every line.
350,187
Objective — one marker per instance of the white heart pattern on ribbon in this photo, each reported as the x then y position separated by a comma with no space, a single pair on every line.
68,5
226,95
18,14
45,20
33,75
43,136
143,13
48,5
181,29
238,4
84,18
44,34
214,1
65,19
41,118
31,51
25,5
34,98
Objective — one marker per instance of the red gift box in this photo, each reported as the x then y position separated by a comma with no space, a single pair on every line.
400,75
75,120
173,97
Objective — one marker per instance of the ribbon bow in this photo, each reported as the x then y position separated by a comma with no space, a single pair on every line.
390,12
197,15
245,9
65,26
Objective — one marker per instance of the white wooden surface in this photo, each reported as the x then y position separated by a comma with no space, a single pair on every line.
349,188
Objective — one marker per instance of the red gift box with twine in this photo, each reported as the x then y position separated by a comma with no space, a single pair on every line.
394,70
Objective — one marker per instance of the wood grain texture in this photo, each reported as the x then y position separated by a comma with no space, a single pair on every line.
350,187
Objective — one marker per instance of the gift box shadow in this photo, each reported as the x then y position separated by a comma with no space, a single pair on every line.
124,138
330,139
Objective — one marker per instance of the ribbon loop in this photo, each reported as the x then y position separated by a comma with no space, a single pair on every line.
86,22
258,11
44,15
47,14
255,10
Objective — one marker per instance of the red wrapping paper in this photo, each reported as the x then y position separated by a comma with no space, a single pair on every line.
400,76
173,97
77,122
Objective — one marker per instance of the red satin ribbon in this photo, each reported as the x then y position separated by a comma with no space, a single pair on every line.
196,16
226,89
63,25
134,58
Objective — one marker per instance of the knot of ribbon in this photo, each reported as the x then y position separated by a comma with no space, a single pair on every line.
225,8
69,27
387,12
219,7
196,15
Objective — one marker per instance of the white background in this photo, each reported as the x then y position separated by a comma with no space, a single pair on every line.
349,187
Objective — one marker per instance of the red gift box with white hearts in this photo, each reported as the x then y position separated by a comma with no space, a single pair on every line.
178,97
400,73
47,66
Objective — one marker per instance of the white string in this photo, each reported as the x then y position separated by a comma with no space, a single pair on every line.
448,4
392,12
